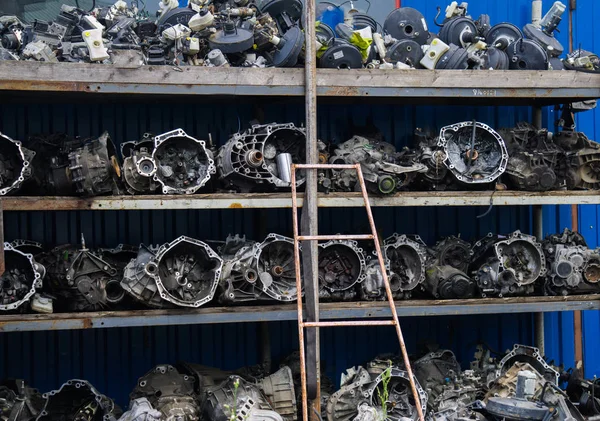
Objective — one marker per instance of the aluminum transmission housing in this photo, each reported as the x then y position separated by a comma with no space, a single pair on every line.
475,153
186,271
23,275
15,161
183,164
260,158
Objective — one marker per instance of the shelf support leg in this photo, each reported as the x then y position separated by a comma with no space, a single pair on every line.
309,223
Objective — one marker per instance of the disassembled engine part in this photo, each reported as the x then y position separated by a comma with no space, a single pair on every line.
169,392
260,157
384,169
509,266
341,265
15,164
138,283
186,271
78,400
237,398
95,169
182,164
21,278
407,260
475,153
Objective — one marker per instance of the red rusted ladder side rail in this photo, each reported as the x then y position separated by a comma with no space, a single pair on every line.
374,237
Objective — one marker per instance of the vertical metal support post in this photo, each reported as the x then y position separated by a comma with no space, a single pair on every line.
538,231
265,346
2,263
309,225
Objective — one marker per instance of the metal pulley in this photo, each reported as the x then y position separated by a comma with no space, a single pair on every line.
289,48
502,35
460,31
407,23
341,55
405,51
231,39
525,54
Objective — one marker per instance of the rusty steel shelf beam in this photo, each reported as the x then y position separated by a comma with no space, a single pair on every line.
283,200
537,86
328,311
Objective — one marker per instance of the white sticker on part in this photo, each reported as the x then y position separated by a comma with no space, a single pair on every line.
424,23
338,55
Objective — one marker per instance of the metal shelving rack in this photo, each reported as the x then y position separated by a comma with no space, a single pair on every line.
92,82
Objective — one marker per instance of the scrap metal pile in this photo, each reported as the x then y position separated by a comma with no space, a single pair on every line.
213,33
189,273
519,385
268,33
465,155
516,385
185,392
351,39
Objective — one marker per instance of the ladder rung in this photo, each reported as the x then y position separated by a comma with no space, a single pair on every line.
326,166
335,237
352,323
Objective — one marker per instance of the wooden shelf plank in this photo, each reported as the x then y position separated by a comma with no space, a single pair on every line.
544,86
283,200
329,311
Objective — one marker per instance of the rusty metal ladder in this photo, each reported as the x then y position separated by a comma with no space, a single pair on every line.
373,236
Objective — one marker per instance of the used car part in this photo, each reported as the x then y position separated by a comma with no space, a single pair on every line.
260,157
512,266
239,279
533,157
236,398
138,166
80,279
407,23
359,386
95,169
186,271
78,400
341,54
19,402
28,247
384,169
525,54
531,356
183,164
475,153
21,278
15,164
341,265
138,283
407,260
544,33
276,268
169,392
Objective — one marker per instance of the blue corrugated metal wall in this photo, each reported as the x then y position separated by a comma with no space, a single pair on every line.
113,359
